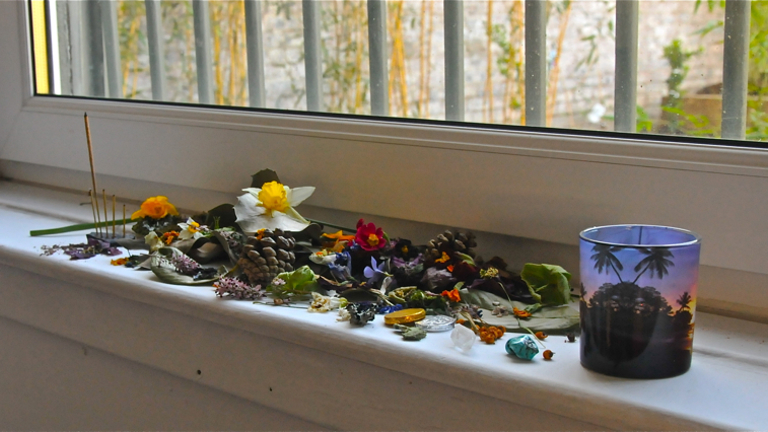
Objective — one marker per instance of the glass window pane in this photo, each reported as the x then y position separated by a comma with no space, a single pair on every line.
679,60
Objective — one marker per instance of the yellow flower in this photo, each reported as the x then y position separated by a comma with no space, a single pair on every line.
189,230
443,258
155,208
273,197
271,206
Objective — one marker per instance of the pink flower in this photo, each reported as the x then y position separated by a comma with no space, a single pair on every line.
369,237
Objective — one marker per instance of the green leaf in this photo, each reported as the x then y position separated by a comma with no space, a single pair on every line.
264,176
225,214
551,319
165,271
547,283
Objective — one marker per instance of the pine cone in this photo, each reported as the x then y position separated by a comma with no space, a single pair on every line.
449,243
266,255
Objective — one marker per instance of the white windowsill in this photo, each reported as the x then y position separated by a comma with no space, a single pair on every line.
723,389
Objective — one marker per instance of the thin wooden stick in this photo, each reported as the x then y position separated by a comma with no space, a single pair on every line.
114,204
123,220
106,216
93,171
93,208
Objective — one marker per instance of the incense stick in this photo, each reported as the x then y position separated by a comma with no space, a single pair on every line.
106,216
93,208
93,172
114,204
123,220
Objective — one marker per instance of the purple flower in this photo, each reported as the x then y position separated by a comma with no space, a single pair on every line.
375,272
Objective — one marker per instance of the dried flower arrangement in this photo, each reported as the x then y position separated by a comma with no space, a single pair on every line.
272,251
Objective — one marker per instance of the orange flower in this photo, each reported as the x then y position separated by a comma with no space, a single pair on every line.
521,313
169,237
490,334
336,241
452,295
119,261
260,234
548,354
155,208
450,268
541,335
443,258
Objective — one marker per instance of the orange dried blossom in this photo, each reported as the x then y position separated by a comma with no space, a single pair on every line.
548,354
452,295
443,258
155,208
119,261
520,313
169,237
489,334
541,335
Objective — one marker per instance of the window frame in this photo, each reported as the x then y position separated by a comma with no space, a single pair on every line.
27,121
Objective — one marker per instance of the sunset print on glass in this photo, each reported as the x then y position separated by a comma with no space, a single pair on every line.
638,299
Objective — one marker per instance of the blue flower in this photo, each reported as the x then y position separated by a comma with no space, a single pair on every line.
375,272
341,268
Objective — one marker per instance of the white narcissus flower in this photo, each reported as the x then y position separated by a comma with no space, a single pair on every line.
153,241
321,303
271,207
189,230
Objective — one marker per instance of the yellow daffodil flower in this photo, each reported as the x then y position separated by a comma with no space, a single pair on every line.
272,207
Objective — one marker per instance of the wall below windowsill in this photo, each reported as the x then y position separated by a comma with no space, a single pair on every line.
321,371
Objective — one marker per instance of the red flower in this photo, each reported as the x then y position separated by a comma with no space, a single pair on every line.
369,237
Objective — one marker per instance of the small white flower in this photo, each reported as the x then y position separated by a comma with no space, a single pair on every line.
321,303
189,230
153,241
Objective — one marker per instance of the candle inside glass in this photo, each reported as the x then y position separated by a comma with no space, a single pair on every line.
638,299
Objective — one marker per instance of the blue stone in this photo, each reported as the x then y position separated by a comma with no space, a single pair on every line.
523,347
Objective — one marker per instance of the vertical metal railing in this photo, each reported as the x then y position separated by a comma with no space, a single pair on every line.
93,47
625,90
535,63
155,45
202,22
313,68
735,68
255,50
111,48
453,13
377,56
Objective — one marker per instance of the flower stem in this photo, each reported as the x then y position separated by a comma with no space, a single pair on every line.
71,228
331,225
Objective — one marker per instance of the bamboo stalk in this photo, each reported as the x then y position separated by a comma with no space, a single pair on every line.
422,65
429,59
489,68
554,74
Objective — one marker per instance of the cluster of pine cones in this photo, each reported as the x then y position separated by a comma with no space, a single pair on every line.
266,255
449,243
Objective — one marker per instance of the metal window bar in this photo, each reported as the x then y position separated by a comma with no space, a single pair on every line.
108,11
93,47
625,90
155,45
377,56
312,55
535,63
255,52
453,17
735,68
202,22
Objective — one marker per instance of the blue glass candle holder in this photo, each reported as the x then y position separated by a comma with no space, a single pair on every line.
638,299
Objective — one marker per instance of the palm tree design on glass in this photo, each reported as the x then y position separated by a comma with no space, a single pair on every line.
605,258
656,260
684,301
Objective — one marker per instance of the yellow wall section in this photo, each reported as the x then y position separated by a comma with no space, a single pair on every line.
40,41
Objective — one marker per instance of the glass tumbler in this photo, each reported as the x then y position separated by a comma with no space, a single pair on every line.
638,299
